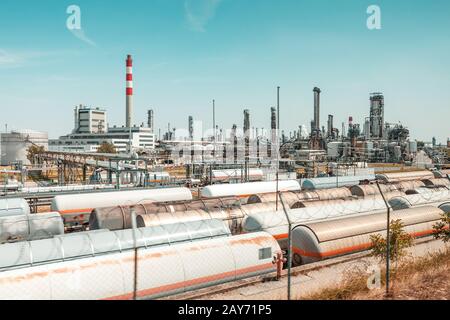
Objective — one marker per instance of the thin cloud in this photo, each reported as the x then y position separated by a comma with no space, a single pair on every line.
199,12
8,59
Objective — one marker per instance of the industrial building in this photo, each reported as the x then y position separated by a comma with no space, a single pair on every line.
91,128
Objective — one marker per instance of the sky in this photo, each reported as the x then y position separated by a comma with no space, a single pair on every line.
188,52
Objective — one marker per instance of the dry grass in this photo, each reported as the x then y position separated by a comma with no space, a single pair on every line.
425,278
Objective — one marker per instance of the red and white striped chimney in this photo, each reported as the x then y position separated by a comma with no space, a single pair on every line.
129,91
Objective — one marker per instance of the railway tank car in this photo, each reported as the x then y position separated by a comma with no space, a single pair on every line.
276,224
32,226
291,197
233,216
313,242
246,189
421,197
393,177
335,182
77,207
119,217
100,264
14,206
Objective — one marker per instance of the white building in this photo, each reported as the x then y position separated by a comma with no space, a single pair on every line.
14,145
141,138
91,130
89,120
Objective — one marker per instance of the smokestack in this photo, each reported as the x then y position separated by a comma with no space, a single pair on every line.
273,124
246,122
330,125
150,120
191,127
129,92
316,108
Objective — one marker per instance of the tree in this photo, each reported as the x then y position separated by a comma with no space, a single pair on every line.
106,147
34,150
399,241
441,228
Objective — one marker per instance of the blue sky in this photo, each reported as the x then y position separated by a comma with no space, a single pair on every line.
187,52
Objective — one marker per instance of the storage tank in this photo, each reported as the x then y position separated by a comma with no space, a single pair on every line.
30,227
246,189
14,206
15,144
312,242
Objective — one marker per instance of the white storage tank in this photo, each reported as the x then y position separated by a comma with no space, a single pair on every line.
14,145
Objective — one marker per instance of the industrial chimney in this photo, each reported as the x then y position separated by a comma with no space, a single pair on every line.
129,92
316,108
191,127
330,126
151,120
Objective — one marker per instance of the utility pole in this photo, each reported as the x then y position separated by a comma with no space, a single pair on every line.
214,128
277,144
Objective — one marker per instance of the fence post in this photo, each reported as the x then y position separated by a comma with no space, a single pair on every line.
388,240
134,226
289,260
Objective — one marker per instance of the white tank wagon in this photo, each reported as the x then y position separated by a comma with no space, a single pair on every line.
438,182
119,217
100,264
276,224
393,177
409,185
249,188
13,207
225,175
292,197
313,242
234,216
371,189
334,182
30,227
77,207
421,197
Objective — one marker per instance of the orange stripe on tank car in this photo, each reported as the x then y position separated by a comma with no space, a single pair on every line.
72,211
197,281
355,248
